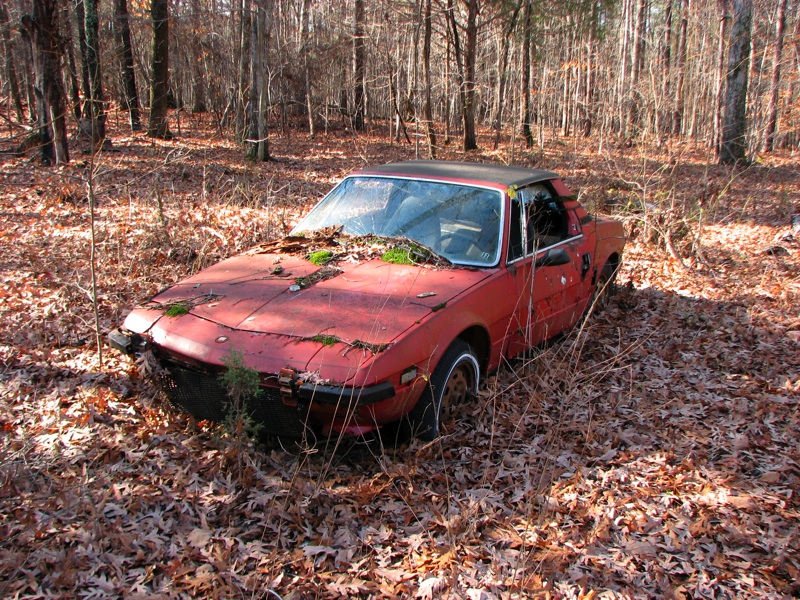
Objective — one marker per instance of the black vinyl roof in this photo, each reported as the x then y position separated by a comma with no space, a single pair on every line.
475,172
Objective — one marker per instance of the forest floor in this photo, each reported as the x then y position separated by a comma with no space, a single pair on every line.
655,453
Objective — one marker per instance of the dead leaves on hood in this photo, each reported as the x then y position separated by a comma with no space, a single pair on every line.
349,248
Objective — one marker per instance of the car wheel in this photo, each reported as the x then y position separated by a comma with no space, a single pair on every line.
604,289
453,382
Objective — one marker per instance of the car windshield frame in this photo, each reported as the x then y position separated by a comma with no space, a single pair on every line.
448,217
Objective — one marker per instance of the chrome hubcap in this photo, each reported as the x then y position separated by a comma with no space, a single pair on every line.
457,389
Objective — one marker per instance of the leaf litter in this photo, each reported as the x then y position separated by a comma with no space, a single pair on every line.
652,453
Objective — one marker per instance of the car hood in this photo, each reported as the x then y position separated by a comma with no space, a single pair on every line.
369,302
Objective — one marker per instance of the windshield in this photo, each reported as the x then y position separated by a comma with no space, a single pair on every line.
459,222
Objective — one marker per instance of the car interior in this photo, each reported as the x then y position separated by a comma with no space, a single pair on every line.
545,221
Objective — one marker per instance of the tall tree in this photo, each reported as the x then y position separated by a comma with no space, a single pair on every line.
527,34
506,34
359,65
470,58
665,120
28,74
427,109
724,17
10,68
158,125
640,38
80,16
198,68
257,141
97,118
777,56
42,28
130,95
72,66
305,45
734,127
680,67
243,74
465,63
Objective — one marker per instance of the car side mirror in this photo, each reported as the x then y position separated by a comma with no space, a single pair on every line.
553,258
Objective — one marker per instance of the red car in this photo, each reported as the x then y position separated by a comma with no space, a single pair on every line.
387,303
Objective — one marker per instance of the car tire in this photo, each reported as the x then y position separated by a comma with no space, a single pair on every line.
454,381
604,288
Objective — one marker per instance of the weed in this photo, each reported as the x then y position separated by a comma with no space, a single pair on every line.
320,257
177,310
242,382
398,256
325,340
412,254
321,275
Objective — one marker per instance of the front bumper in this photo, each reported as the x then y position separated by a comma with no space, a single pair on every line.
334,394
285,410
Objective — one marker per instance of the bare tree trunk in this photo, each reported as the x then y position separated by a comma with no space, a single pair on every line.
86,86
42,28
72,68
772,108
257,142
198,68
29,75
262,151
566,82
412,90
680,66
456,42
253,96
526,74
359,67
639,39
426,74
130,95
447,86
158,125
394,99
623,84
719,85
97,123
11,71
305,41
465,63
243,92
734,141
588,97
502,75
666,54
470,57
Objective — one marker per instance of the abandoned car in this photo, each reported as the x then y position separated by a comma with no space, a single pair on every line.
387,303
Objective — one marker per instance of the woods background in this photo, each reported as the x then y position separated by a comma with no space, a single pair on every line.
721,73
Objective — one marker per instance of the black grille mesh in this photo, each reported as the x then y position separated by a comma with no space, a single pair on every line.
206,398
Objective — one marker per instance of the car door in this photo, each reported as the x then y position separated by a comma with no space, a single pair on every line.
552,226
545,297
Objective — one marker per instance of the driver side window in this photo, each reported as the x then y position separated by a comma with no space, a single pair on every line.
537,221
546,219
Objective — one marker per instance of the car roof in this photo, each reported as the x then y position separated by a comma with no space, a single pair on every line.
472,172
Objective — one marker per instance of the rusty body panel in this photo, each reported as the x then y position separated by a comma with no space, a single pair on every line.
352,344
